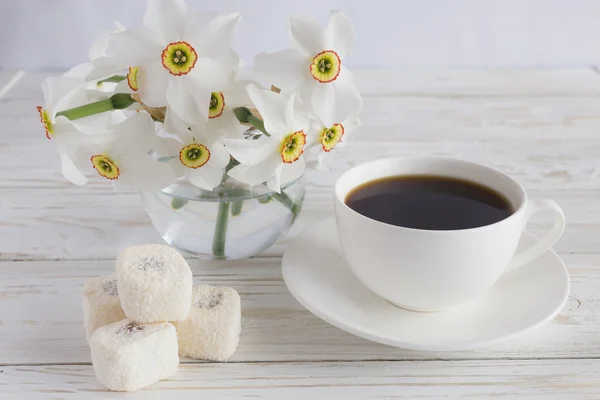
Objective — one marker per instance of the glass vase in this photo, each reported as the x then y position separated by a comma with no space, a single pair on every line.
233,221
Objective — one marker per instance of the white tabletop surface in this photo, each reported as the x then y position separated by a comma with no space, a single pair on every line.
540,126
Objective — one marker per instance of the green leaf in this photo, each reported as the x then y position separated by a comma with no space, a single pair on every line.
242,114
177,203
245,116
113,79
236,207
265,199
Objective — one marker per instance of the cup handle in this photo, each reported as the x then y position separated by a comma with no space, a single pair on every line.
535,206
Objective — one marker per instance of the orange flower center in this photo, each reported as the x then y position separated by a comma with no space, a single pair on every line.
179,58
292,147
326,66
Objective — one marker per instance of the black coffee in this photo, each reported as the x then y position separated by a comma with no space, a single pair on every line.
429,202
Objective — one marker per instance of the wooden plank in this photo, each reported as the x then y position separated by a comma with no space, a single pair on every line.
547,164
400,118
440,120
446,81
478,82
549,379
41,317
86,223
521,136
9,80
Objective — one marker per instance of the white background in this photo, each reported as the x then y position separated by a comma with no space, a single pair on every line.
38,34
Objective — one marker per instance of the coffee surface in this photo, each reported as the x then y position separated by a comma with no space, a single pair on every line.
429,202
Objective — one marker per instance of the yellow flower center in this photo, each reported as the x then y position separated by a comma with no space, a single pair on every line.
132,78
326,66
105,166
194,155
179,58
45,119
330,137
292,147
217,105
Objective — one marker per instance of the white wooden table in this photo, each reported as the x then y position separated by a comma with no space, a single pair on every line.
540,126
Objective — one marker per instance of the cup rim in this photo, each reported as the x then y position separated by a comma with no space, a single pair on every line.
519,209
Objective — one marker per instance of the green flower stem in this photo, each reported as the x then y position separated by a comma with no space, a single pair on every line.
117,101
289,203
113,79
236,207
220,235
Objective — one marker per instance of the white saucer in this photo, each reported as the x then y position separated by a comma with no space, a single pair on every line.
318,277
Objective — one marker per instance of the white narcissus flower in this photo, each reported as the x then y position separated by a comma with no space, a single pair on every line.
276,159
125,160
332,126
315,67
196,155
62,93
177,58
221,118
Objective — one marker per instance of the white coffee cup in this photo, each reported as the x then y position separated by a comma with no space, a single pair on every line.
428,270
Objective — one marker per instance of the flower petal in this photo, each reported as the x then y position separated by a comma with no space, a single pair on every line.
166,146
167,18
80,71
211,33
123,87
324,160
133,46
205,177
141,171
339,34
106,66
308,35
290,172
219,156
212,73
252,152
314,133
350,126
295,114
57,90
153,81
69,170
98,47
322,102
134,135
348,102
173,123
345,76
126,48
254,174
286,69
236,94
227,125
271,107
93,126
183,99
273,183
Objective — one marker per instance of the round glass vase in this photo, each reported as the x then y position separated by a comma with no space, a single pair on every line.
231,222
